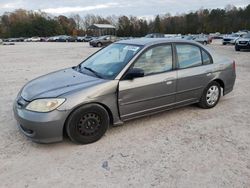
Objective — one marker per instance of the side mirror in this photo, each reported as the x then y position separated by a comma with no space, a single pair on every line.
134,73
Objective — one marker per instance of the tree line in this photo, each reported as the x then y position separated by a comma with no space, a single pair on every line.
23,23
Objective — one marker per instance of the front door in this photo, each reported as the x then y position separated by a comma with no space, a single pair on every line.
153,92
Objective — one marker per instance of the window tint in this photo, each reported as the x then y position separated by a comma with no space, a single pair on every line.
155,60
188,55
206,58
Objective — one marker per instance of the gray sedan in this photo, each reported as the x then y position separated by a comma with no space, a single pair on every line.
126,80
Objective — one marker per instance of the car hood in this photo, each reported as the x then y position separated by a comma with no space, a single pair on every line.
244,39
230,37
95,40
58,83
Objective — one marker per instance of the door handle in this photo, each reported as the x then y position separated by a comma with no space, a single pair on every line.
209,74
169,82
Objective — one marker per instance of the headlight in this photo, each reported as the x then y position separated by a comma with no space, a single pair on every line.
45,105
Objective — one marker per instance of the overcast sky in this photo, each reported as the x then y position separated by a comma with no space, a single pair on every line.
141,8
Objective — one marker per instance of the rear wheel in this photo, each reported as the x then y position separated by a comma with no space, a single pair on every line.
99,44
205,43
210,96
87,124
224,43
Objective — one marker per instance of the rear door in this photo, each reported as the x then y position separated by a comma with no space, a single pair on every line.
195,71
153,92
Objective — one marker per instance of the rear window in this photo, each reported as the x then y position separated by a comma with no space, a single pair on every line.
206,58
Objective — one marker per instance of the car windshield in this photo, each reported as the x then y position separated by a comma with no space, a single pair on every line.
234,35
108,62
246,35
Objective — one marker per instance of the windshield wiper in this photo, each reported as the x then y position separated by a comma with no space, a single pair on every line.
91,70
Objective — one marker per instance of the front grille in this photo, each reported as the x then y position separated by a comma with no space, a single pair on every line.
243,42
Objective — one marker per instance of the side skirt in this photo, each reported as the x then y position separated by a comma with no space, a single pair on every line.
158,110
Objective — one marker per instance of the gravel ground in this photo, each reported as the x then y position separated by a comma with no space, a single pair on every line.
186,147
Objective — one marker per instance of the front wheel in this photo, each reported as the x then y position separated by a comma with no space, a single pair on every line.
210,96
87,124
99,44
237,48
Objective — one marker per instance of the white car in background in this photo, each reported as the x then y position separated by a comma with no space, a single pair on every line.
33,39
1,41
231,39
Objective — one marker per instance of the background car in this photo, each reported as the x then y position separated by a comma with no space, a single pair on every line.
53,39
203,39
216,35
1,41
20,39
33,39
66,38
231,39
155,35
88,38
103,41
243,42
80,38
188,37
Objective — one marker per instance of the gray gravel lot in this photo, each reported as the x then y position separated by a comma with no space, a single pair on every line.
186,147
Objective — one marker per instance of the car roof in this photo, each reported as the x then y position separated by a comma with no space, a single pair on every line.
153,41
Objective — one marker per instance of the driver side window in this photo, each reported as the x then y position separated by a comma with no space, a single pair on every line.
155,60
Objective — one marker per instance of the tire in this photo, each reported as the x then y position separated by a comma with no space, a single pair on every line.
87,124
210,96
99,44
224,43
205,43
237,48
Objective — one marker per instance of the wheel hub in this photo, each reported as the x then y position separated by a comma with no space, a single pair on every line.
88,124
212,95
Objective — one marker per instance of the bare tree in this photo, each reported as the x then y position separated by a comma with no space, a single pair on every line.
78,20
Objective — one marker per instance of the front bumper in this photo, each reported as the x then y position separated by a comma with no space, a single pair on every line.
243,46
227,41
41,127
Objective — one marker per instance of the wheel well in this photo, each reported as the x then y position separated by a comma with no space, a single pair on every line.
221,83
104,106
109,112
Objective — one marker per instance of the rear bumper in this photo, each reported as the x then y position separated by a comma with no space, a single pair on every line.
230,87
228,90
41,127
